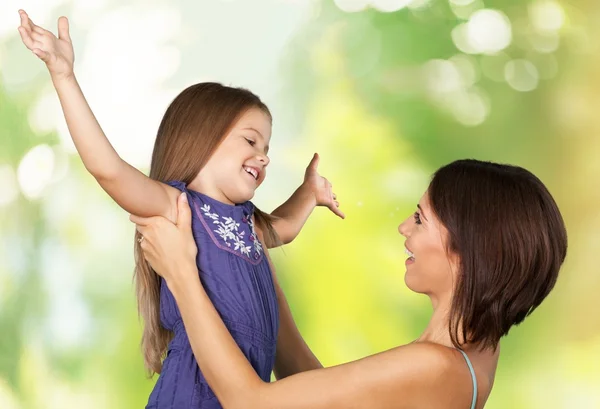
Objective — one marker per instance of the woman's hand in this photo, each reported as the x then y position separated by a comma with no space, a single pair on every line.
170,248
57,53
321,187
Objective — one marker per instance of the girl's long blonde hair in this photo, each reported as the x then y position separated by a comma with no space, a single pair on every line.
192,128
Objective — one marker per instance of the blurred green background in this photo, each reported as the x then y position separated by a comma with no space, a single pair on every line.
385,90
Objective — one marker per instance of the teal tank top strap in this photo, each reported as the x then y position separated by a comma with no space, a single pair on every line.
474,401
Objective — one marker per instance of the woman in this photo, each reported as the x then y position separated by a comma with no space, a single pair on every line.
485,244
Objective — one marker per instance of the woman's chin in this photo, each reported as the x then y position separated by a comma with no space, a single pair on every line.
413,282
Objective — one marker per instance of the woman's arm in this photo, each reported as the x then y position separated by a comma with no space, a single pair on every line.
130,188
406,377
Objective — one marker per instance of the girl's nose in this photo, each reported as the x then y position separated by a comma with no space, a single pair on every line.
264,159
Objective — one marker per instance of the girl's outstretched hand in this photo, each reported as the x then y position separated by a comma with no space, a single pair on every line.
321,187
57,53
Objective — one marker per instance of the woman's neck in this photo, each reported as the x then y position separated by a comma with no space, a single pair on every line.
437,328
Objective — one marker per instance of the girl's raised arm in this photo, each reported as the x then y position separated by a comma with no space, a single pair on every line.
131,189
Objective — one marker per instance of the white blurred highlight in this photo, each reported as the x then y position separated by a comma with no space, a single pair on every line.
8,399
450,84
464,11
544,42
442,76
521,75
126,96
546,15
35,171
10,188
461,2
460,39
385,6
44,15
489,31
351,6
471,107
389,6
46,112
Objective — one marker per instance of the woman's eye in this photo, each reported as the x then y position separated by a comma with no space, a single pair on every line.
250,141
417,218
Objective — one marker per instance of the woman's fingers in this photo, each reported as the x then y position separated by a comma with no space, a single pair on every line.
143,230
147,225
148,252
142,221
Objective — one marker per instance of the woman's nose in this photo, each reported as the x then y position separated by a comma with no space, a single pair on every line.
404,229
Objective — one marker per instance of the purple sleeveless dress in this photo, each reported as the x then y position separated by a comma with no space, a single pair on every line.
236,276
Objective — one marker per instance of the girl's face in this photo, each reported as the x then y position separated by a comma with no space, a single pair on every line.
429,269
239,165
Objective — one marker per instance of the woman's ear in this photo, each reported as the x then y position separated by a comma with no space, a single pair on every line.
454,260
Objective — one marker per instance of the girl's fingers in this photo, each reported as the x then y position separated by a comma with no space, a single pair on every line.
26,37
39,30
43,55
63,29
31,25
337,211
35,36
36,33
35,27
25,22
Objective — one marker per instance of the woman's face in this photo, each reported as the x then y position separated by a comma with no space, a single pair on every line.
429,269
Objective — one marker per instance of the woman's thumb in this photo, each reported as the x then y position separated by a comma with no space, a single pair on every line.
184,215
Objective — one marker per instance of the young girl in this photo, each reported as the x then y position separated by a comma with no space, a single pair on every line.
212,145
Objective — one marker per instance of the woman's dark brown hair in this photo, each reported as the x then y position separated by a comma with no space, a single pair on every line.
511,241
194,125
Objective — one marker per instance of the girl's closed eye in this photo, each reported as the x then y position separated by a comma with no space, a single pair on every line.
417,218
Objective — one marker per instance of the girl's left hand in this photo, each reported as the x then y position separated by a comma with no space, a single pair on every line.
321,187
169,248
56,52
